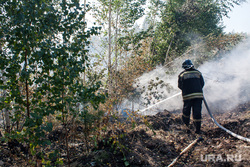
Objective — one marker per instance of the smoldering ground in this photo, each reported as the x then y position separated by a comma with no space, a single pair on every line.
227,83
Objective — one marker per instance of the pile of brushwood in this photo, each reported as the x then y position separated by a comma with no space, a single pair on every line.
154,144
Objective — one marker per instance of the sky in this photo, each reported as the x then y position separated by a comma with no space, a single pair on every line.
239,20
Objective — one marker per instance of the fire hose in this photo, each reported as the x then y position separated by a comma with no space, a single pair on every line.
228,131
200,138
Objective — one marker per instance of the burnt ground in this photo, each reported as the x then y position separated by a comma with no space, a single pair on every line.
159,143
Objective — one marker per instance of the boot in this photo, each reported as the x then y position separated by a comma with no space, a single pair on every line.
186,120
197,125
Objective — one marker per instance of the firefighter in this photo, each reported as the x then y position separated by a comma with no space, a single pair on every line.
191,82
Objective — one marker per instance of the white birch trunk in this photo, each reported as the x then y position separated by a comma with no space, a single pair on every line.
109,52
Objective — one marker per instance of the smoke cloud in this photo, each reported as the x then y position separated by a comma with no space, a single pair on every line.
227,83
227,79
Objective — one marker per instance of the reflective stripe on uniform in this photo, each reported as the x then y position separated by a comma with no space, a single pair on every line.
193,96
190,74
197,120
185,116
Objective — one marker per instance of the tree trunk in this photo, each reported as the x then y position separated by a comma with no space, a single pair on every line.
168,51
6,111
109,53
27,86
116,36
84,74
7,119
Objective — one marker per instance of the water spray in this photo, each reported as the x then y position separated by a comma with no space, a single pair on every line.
159,102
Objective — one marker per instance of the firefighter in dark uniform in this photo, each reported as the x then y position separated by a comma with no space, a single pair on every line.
191,82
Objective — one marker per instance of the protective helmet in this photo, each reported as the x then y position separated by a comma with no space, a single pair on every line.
187,64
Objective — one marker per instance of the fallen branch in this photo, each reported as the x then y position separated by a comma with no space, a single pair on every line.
185,150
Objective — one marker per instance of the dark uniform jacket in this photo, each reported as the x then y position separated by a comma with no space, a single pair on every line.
191,83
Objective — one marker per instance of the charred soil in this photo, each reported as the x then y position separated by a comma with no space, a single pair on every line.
158,144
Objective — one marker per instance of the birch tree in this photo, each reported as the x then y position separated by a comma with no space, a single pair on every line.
120,17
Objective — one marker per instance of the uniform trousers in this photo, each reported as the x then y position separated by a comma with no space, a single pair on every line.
196,106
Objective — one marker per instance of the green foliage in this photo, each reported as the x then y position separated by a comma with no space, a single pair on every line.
124,15
186,21
90,101
42,54
130,11
133,39
42,57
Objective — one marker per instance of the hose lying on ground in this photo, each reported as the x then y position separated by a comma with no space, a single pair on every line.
185,150
228,131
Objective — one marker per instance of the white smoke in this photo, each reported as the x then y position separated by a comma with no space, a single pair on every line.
165,92
227,79
227,83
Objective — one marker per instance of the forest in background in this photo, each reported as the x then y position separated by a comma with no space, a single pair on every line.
58,73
